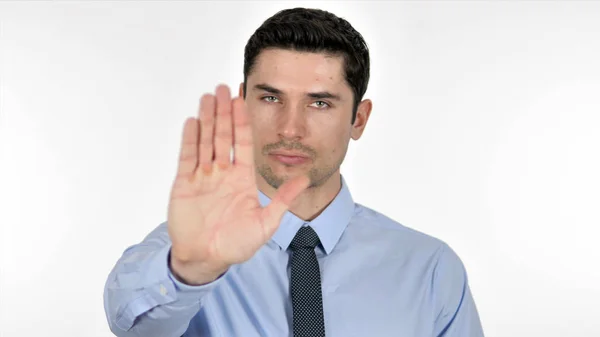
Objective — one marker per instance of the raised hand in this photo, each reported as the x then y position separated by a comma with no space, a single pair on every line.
214,217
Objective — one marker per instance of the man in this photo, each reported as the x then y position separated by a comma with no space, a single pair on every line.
267,241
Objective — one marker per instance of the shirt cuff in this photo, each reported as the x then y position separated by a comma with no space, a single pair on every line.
171,289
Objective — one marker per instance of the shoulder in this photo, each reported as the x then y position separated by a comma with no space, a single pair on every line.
446,272
372,227
371,223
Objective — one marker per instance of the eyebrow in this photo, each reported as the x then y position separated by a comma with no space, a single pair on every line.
268,88
315,95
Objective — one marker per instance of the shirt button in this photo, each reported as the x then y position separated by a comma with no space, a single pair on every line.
163,290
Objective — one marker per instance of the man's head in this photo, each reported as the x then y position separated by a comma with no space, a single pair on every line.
305,74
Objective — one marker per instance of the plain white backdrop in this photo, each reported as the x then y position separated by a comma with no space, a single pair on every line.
485,133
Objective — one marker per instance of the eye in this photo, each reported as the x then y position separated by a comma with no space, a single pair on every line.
270,99
322,104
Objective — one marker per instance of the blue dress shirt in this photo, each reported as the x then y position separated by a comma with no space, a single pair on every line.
379,278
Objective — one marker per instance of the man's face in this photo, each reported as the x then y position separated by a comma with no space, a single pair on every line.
301,108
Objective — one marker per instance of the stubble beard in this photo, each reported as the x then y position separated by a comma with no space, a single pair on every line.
317,176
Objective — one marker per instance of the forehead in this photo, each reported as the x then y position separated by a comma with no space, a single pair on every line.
294,70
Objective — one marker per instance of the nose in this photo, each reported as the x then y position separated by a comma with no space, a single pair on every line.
292,123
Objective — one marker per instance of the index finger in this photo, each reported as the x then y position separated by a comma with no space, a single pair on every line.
242,135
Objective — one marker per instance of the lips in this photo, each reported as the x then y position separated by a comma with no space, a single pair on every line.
289,154
289,158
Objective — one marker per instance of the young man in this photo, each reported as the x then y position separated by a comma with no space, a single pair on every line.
268,241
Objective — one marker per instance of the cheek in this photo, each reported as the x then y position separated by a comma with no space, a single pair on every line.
263,128
332,142
257,120
261,117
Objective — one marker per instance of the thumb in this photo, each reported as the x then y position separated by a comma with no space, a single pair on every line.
286,194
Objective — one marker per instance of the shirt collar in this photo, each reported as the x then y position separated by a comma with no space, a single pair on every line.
329,225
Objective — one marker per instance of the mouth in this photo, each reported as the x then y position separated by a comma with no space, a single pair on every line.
289,158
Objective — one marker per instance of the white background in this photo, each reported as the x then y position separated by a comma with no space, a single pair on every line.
484,133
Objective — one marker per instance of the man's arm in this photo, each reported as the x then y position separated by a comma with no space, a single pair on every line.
456,313
215,220
142,297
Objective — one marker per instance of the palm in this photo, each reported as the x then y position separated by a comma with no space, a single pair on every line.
228,222
214,211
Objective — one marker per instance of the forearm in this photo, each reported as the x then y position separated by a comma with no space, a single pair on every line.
143,298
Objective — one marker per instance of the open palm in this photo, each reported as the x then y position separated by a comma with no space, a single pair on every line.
214,216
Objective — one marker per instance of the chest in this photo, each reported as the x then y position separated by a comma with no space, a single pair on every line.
359,299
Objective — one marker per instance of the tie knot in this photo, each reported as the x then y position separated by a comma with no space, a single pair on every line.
306,237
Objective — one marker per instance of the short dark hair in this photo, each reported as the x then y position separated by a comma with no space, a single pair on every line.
313,30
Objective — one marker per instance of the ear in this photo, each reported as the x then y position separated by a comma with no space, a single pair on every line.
241,92
363,112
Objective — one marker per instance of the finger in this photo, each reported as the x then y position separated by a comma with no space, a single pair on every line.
286,194
207,121
242,135
223,127
188,153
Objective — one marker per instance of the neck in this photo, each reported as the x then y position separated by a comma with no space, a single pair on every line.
312,201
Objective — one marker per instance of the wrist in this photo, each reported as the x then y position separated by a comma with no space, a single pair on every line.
194,273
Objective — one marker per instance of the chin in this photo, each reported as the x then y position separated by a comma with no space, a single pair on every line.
276,175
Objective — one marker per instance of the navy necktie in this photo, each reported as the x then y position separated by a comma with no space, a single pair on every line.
305,285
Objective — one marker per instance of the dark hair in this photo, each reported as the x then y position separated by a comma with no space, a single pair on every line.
313,30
